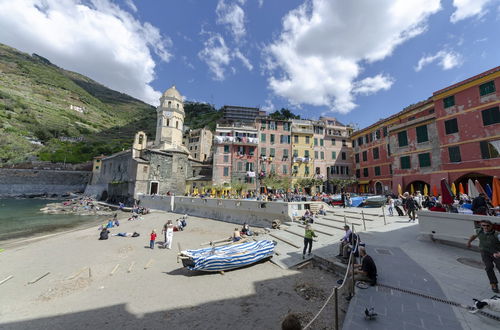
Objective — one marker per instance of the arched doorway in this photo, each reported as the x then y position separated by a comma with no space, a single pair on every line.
379,190
417,186
482,178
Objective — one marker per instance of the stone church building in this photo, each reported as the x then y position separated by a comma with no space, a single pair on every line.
158,167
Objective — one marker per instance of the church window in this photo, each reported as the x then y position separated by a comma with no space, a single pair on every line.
140,139
145,169
168,122
177,124
169,103
177,105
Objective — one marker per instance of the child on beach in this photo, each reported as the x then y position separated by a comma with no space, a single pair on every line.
152,239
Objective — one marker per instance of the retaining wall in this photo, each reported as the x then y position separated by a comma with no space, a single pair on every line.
255,213
451,228
16,182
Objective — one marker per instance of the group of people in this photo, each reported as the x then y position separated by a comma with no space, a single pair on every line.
239,234
168,232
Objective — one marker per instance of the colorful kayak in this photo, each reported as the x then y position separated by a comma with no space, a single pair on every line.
215,259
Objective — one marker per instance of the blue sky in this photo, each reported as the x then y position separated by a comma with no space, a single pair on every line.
359,61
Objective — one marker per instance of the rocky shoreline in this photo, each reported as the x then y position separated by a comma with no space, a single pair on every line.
78,206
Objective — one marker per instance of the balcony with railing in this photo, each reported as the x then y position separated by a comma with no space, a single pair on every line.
301,159
218,139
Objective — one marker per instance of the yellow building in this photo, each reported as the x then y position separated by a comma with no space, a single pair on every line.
302,147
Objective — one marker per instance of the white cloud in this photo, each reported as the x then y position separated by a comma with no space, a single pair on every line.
234,16
261,3
131,5
468,8
243,59
446,59
372,85
216,55
318,56
95,38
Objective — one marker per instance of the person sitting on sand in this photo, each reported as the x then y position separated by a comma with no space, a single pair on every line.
110,224
246,230
134,234
104,234
180,226
236,235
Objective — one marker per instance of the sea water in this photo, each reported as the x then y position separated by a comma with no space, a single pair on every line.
22,218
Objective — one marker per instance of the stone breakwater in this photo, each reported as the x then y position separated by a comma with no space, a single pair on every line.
77,206
39,183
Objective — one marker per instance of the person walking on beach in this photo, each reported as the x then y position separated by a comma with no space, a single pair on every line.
489,246
308,241
152,239
168,231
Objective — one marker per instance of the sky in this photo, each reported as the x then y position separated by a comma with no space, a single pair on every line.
358,61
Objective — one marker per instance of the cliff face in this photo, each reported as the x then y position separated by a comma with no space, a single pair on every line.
56,115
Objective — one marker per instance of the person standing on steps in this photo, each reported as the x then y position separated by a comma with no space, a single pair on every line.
489,246
308,240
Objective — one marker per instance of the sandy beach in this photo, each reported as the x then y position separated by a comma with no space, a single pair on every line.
132,286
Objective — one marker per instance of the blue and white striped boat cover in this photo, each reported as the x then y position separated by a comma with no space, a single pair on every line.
229,256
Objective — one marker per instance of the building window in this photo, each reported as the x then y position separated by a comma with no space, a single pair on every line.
272,125
315,141
375,153
491,116
321,142
353,143
384,131
306,170
449,101
390,169
365,156
240,166
262,137
306,153
251,151
451,126
308,139
285,169
422,135
356,157
365,172
263,167
286,126
358,174
295,169
377,134
333,142
316,155
424,160
273,169
454,153
271,138
318,170
249,167
285,153
377,170
272,152
405,162
402,139
344,144
263,152
226,149
388,150
226,158
487,88
490,149
295,139
334,155
263,124
226,171
241,150
322,154
360,141
295,153
344,156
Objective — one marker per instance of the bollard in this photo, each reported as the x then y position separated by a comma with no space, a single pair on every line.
363,218
383,213
336,309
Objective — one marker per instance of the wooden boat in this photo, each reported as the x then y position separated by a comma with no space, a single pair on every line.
226,257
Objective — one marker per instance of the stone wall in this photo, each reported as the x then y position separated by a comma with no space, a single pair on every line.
16,182
255,213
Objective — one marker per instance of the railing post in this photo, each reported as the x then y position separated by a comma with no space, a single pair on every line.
383,212
336,309
352,271
345,221
363,218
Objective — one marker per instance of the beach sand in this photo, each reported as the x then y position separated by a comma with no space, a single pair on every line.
164,295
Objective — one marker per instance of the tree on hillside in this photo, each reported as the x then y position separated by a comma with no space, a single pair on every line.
283,114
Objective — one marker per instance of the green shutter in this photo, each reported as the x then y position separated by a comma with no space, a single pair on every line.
377,170
451,126
449,101
454,153
424,160
402,139
491,116
405,162
262,137
422,135
487,88
334,155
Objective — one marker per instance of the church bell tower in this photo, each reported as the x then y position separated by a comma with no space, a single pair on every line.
170,121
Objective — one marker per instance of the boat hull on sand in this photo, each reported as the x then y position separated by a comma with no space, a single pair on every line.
226,257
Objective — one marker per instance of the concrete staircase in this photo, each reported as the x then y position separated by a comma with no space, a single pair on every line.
329,228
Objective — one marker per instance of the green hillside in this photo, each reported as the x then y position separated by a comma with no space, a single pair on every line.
36,119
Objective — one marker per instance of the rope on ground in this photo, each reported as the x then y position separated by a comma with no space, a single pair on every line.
344,281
